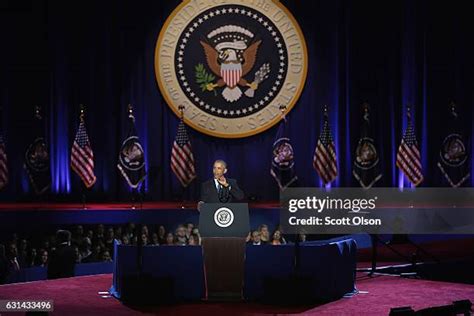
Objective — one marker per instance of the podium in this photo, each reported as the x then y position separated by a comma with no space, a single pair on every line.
223,229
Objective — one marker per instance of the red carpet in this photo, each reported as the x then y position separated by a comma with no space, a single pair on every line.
47,206
79,296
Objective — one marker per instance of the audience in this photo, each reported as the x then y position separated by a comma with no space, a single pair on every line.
95,243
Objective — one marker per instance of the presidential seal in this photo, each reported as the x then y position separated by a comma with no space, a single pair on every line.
366,154
231,64
223,217
37,156
453,152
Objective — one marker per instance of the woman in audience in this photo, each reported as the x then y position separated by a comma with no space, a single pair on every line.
161,235
154,239
169,239
276,238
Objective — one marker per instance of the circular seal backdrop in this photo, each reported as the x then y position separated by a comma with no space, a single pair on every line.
231,64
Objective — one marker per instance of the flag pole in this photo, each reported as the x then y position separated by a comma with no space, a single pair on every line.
134,190
83,186
183,188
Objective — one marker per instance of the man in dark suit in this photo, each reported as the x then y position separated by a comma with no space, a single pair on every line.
63,259
220,189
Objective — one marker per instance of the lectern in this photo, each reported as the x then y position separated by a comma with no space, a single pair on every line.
223,228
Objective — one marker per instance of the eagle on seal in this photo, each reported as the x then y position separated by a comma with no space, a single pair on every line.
224,62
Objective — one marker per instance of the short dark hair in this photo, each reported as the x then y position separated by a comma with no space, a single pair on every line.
63,236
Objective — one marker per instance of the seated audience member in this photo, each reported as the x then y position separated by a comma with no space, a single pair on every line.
154,239
264,233
23,253
282,235
85,248
109,239
193,240
130,231
276,238
90,234
46,245
118,232
3,265
31,258
77,254
145,230
256,238
144,239
12,257
106,256
78,235
161,235
100,232
189,229
42,260
125,240
197,235
301,237
169,239
95,254
63,258
180,235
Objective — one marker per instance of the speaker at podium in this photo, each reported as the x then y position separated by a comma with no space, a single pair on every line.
223,228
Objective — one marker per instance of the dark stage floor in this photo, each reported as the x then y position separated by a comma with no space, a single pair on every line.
79,296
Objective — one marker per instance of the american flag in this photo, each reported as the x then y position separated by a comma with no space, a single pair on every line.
408,156
324,159
3,164
82,157
182,159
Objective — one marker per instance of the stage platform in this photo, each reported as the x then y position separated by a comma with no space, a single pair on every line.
80,296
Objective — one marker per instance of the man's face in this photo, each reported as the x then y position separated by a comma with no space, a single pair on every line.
13,250
218,170
181,232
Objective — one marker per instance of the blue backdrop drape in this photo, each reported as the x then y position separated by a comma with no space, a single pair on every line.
59,54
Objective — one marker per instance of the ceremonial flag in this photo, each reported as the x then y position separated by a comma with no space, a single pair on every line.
324,158
408,156
82,156
182,159
3,164
132,157
453,158
37,161
283,163
366,167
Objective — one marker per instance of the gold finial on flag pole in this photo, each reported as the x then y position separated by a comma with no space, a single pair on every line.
181,109
82,112
283,111
38,112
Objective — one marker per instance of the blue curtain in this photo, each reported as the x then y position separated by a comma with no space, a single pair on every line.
101,54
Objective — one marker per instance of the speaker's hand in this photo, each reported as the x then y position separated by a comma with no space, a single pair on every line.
199,205
223,181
